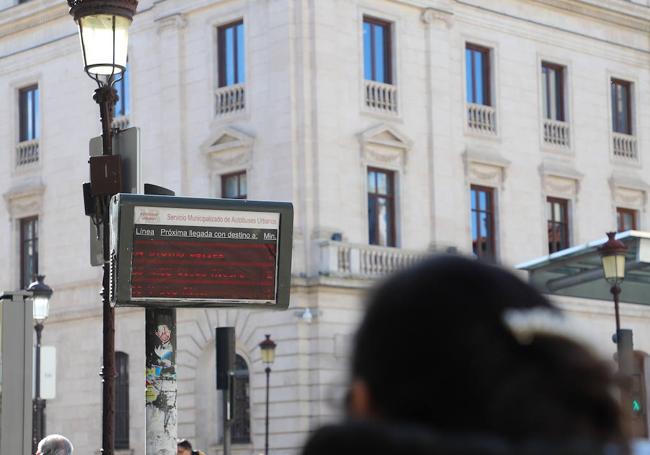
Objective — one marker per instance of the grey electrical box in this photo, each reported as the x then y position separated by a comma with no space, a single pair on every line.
16,332
194,252
126,143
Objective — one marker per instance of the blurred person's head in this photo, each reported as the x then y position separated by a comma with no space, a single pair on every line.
54,444
435,349
183,447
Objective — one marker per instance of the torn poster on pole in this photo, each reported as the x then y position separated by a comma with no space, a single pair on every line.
191,252
161,390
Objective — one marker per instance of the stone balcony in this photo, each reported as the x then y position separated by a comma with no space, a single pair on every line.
230,99
27,152
624,147
359,261
381,97
557,134
482,118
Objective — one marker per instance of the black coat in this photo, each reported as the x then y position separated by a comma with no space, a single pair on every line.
373,438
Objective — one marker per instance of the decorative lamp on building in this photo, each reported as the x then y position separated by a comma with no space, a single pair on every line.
306,315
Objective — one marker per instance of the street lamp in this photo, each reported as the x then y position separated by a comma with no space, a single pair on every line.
612,254
41,294
267,348
103,32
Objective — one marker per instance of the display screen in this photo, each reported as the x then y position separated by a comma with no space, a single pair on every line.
204,254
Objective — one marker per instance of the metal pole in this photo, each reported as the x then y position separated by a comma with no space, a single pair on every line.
161,389
266,437
106,97
38,430
226,419
616,291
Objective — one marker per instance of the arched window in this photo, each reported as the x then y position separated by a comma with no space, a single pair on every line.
122,400
241,425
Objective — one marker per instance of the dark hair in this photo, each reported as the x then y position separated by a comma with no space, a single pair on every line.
434,349
184,444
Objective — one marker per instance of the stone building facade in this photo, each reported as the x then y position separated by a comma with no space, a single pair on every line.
394,126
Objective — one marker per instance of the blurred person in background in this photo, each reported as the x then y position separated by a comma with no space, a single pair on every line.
456,356
54,444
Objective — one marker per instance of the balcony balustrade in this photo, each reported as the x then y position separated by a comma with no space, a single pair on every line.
230,99
556,133
27,152
624,147
381,97
348,260
482,118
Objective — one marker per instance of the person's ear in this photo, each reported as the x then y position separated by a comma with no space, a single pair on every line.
360,403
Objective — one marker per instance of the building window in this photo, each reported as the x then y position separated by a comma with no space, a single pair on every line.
377,58
553,91
482,222
241,427
381,207
123,88
626,219
121,400
557,216
230,40
29,113
477,76
28,250
233,186
621,106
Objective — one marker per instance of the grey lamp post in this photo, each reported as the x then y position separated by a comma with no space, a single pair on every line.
267,347
41,293
19,433
103,31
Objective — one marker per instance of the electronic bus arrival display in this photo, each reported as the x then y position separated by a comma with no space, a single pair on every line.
200,252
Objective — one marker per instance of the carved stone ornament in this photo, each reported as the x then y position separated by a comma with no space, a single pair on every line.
227,147
25,199
559,179
562,187
385,145
175,21
628,190
431,16
629,198
485,167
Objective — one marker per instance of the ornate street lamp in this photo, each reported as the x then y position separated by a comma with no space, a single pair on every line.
612,254
267,348
41,294
103,32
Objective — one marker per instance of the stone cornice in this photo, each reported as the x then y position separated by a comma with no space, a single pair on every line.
619,12
30,15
